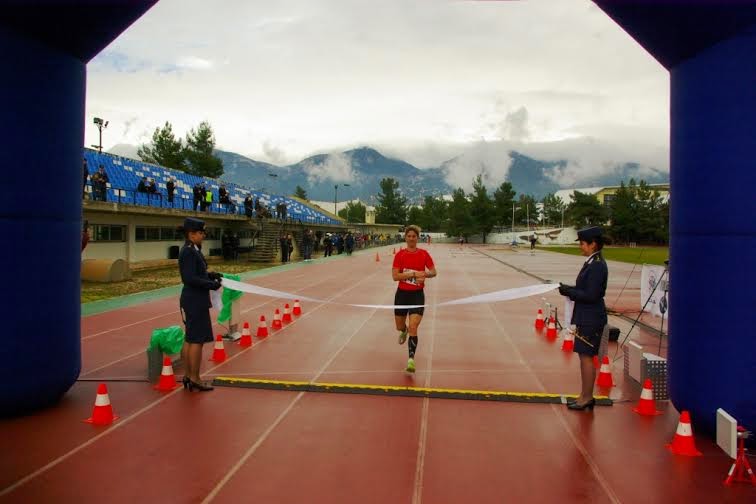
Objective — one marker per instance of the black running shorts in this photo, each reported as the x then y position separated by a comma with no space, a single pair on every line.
409,297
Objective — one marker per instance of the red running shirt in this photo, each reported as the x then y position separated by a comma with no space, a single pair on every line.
406,261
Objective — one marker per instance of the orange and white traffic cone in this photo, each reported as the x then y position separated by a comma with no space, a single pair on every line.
646,405
377,259
287,314
102,414
262,328
167,381
297,308
246,338
539,320
219,353
277,320
569,340
605,375
683,442
551,331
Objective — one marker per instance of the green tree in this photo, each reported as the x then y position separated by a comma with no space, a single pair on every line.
415,216
200,144
460,221
392,206
552,210
353,212
434,214
504,197
624,213
482,209
585,210
165,150
300,193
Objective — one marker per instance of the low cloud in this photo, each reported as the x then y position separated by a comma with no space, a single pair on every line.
336,167
491,160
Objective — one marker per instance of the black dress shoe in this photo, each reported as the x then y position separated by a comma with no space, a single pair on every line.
580,407
185,382
199,386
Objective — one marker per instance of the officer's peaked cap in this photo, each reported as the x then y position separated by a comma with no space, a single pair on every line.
589,234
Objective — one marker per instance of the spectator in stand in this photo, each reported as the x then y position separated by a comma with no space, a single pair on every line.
258,207
197,196
284,242
284,210
223,197
85,174
170,187
248,206
100,184
142,186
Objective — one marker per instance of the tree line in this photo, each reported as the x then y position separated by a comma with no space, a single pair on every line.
194,155
636,213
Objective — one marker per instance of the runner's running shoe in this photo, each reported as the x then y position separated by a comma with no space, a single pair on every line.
410,365
402,337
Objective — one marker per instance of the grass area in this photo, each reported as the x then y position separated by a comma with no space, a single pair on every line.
639,255
147,280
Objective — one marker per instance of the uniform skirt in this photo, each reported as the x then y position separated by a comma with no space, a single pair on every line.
588,339
199,328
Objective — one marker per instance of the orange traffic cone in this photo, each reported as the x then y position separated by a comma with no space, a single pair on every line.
297,308
167,380
219,353
605,375
646,405
596,364
246,339
262,328
287,314
683,442
551,331
277,320
377,259
569,340
102,414
539,319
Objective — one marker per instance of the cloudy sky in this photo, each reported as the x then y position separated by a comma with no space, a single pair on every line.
422,80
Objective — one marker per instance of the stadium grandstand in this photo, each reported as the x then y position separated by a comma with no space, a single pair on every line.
139,226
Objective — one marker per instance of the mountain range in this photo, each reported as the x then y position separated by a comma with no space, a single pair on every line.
358,173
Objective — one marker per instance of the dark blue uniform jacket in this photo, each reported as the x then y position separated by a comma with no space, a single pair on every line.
588,294
197,285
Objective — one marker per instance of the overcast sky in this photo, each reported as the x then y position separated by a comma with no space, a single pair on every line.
423,80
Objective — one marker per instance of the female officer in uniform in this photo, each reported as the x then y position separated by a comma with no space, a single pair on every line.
195,301
589,315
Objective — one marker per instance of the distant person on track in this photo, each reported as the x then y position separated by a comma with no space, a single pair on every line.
589,314
412,267
195,301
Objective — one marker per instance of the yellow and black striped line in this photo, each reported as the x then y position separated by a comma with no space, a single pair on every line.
391,390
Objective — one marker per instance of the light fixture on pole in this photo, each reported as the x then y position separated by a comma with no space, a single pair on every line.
101,125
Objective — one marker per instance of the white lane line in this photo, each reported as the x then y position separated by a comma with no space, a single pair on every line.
417,494
578,445
252,449
128,419
74,451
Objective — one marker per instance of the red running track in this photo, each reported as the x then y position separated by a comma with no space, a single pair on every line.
243,445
